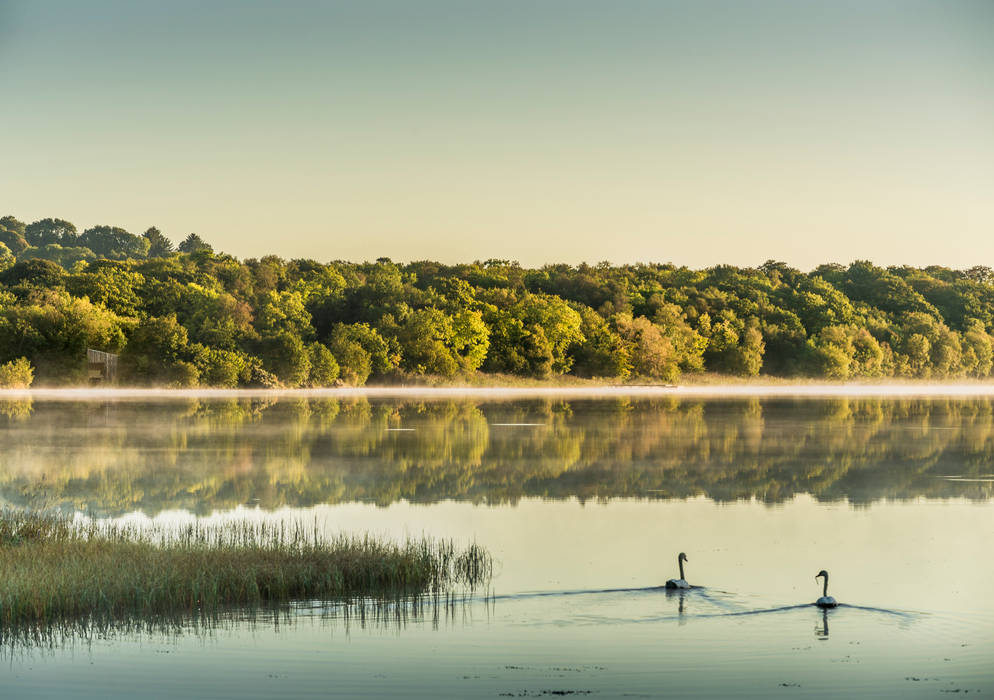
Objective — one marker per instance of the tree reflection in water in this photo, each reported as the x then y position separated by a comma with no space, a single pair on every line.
108,458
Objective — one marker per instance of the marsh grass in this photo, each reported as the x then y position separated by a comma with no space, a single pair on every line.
55,569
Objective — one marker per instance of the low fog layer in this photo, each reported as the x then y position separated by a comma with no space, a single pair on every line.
495,393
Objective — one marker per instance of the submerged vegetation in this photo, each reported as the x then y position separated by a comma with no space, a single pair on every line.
189,316
57,569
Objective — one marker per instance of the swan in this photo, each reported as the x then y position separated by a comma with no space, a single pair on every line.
679,582
826,601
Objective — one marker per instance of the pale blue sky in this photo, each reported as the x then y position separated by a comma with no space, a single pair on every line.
691,132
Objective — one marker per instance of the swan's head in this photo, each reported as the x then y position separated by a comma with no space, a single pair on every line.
820,574
682,557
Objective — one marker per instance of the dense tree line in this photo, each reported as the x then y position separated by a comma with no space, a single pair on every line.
188,316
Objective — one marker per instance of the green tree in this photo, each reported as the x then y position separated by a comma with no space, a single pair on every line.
361,351
834,352
282,312
113,286
14,240
286,356
36,273
470,339
867,356
324,366
113,243
430,344
53,330
353,359
883,289
651,353
12,224
7,259
978,350
534,336
158,353
158,245
222,368
216,319
602,353
193,244
16,374
51,231
65,257
688,344
735,347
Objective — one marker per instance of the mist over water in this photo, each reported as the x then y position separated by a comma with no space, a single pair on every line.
585,502
746,389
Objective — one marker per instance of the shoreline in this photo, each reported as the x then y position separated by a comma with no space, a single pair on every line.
703,390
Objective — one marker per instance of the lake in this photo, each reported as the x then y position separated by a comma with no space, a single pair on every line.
584,501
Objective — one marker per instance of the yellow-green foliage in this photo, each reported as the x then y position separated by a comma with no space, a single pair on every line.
56,569
196,317
16,374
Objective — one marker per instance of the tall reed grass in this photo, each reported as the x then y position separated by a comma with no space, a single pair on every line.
54,568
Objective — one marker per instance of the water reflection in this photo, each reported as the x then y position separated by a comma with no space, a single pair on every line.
109,458
821,631
609,644
434,612
681,596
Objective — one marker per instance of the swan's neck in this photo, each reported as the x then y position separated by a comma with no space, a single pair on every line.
680,562
824,590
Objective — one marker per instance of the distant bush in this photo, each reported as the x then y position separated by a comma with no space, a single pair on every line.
16,374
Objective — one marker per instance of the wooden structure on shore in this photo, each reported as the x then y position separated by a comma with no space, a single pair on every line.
101,366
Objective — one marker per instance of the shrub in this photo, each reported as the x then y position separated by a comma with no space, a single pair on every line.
17,374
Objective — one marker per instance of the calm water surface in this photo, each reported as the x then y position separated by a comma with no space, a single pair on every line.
585,503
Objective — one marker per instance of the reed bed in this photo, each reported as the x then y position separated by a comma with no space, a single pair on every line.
53,568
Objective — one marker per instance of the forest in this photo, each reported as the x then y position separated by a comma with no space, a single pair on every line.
186,315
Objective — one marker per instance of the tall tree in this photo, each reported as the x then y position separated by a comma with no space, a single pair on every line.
114,243
12,224
158,245
13,240
194,243
47,231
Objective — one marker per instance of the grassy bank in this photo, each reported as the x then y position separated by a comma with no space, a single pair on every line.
53,569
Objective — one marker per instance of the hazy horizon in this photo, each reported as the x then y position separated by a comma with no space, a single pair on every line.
691,133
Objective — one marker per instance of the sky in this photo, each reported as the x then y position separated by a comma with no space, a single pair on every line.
697,133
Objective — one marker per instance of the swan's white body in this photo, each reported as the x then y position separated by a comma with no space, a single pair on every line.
826,601
679,582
